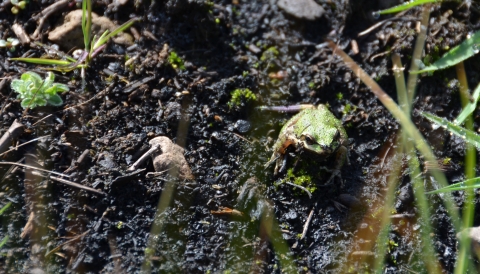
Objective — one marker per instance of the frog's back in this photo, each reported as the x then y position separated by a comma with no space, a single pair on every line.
328,120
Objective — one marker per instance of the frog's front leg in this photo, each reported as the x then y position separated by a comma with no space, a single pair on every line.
340,158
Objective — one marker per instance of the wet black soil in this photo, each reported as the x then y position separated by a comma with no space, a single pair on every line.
165,224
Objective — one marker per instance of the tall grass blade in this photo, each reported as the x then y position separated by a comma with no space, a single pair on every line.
43,61
87,23
407,5
106,35
4,241
5,207
469,107
468,135
467,184
460,53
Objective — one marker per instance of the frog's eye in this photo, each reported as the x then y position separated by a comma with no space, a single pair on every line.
309,140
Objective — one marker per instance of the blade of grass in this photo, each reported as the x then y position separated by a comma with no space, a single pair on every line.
468,184
468,135
428,254
406,5
469,107
4,241
106,35
43,61
470,162
382,239
417,54
458,54
5,207
87,23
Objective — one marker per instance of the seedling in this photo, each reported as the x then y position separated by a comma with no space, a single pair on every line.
175,61
10,43
37,92
17,6
92,46
240,93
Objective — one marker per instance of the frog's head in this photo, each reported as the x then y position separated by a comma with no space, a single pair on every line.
320,141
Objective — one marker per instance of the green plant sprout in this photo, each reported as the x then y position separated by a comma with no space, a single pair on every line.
17,6
37,92
92,46
175,61
10,43
240,93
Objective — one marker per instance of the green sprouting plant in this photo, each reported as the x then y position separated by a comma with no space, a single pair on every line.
17,6
34,91
175,61
92,46
10,43
270,54
240,93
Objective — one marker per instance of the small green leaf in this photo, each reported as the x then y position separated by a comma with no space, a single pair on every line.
31,77
465,50
26,103
18,86
48,80
22,4
55,100
40,102
61,87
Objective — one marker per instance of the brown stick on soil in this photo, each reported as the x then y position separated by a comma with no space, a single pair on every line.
12,133
42,16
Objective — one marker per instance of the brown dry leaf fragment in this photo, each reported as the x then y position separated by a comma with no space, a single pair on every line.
226,211
170,157
69,34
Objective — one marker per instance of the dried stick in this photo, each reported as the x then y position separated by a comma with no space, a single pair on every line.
42,16
15,130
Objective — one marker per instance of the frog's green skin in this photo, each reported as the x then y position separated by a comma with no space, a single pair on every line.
315,130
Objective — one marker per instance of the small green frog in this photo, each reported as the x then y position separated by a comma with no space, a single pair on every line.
315,130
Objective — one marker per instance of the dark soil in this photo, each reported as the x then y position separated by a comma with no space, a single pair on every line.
163,224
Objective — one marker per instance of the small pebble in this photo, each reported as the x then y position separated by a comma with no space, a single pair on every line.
242,126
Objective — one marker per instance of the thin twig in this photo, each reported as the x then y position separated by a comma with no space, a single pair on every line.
31,141
15,130
70,183
67,242
144,157
302,188
96,95
307,224
36,168
41,119
42,16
